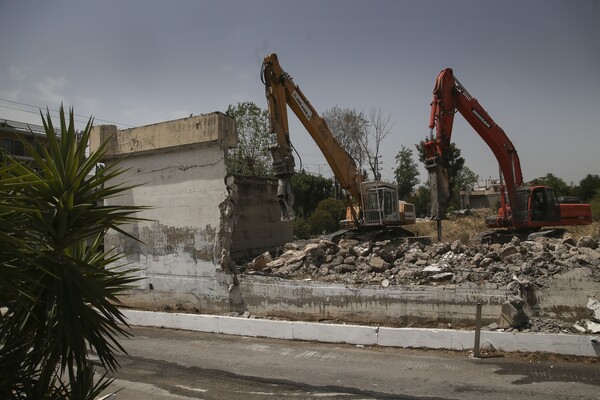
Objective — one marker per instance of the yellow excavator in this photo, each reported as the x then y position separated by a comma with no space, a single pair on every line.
370,204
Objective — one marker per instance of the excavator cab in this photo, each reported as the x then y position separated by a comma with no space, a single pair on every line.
535,206
380,203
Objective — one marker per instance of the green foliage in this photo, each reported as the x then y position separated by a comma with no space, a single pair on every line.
407,172
326,217
309,190
558,184
421,200
588,187
595,204
59,287
252,156
301,228
466,179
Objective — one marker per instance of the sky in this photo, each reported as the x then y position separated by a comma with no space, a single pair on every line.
533,65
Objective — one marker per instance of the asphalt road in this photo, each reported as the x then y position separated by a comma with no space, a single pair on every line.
171,364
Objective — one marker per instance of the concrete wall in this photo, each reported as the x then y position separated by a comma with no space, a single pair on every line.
315,301
178,170
258,226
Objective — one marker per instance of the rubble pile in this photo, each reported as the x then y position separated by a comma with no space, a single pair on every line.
517,266
407,262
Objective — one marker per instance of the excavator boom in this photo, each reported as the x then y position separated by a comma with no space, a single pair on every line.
378,201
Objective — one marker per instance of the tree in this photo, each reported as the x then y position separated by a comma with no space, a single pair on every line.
559,185
406,172
421,200
455,165
326,217
588,187
379,128
309,190
465,180
252,156
59,287
595,204
350,129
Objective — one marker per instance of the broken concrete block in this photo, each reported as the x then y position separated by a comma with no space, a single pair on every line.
456,247
432,268
514,288
444,276
512,315
486,262
361,250
293,256
588,241
593,327
507,251
276,263
568,240
260,262
493,326
378,264
578,328
594,305
412,255
593,254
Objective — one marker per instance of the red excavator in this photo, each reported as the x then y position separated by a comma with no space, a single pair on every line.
522,208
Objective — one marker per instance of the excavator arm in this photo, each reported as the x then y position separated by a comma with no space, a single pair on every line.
449,96
281,91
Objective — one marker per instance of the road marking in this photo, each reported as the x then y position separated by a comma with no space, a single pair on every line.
154,391
193,389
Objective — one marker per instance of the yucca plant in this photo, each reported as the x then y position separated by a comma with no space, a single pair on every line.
58,285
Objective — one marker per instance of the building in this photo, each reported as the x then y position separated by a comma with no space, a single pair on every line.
486,194
12,131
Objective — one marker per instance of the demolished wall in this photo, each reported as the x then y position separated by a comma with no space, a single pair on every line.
258,226
177,169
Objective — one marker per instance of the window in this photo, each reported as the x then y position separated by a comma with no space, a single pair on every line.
14,147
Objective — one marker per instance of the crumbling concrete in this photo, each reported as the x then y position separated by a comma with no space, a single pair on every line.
177,169
535,280
258,225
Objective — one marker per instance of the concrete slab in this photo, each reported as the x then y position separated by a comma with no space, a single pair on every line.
334,333
256,327
426,338
576,345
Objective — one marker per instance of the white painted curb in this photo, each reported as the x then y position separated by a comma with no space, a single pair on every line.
576,345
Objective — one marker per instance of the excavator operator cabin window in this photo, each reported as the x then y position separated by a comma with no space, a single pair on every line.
388,203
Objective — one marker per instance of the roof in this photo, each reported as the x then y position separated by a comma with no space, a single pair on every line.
23,127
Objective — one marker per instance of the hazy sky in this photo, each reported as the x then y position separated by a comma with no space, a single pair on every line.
533,65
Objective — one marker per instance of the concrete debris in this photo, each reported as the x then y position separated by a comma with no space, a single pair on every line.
587,326
260,262
404,262
591,325
518,266
594,306
513,315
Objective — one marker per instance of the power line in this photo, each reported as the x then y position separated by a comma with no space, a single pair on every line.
35,112
56,111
